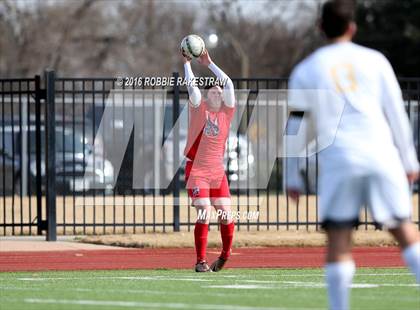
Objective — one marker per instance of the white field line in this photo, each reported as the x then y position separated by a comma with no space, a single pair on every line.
317,275
267,287
405,298
150,292
236,285
276,282
294,284
136,304
363,285
399,285
243,286
153,278
194,278
383,274
280,285
304,283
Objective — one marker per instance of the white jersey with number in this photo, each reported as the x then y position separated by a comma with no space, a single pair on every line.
373,139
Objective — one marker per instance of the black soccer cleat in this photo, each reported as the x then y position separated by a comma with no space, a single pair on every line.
218,264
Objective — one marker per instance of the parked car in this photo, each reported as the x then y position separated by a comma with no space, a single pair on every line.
78,168
8,183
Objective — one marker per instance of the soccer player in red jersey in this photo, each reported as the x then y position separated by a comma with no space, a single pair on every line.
207,184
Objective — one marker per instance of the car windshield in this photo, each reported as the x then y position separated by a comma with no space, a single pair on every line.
5,142
69,142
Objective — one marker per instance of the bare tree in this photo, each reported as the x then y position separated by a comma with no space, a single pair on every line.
263,47
141,38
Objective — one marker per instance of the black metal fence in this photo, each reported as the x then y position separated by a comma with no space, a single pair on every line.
50,186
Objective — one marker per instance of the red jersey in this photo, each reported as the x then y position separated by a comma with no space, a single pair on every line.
207,135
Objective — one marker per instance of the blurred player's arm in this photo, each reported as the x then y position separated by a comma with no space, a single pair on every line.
228,90
294,180
296,122
193,91
393,106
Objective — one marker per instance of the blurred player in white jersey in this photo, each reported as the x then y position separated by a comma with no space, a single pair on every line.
372,159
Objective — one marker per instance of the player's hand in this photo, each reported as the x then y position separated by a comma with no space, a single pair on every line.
293,193
185,58
205,59
412,176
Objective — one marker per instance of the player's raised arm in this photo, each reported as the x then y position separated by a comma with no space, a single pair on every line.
228,90
393,106
193,91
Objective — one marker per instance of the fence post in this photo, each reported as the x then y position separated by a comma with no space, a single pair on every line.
176,153
50,156
39,94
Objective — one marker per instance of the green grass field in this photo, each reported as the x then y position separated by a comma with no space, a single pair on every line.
232,289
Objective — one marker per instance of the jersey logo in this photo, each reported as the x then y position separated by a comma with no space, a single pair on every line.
195,191
212,127
344,78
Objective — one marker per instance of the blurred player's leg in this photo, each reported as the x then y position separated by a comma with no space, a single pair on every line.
340,268
409,240
339,210
390,200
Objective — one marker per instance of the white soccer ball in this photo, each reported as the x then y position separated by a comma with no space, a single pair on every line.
192,46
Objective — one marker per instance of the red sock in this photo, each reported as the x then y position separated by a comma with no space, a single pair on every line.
200,236
226,232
